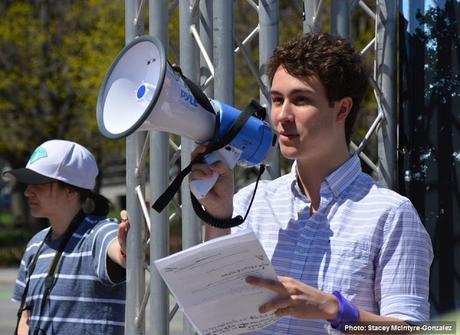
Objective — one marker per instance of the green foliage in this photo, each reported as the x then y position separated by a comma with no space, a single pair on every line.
12,244
5,218
11,256
53,56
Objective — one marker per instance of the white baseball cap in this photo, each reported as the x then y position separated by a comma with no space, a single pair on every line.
59,160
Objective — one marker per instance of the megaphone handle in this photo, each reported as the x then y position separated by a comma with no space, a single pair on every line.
229,155
200,188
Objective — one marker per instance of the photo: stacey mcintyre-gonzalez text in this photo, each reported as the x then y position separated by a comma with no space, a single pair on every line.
430,327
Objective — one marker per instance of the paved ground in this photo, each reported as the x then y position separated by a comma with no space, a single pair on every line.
8,308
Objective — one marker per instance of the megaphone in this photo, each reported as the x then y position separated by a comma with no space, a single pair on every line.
141,91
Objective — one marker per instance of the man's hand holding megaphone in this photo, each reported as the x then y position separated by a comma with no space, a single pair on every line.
219,200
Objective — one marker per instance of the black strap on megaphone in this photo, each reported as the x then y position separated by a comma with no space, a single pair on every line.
196,91
224,223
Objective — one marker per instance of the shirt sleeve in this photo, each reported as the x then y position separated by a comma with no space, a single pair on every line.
403,266
103,234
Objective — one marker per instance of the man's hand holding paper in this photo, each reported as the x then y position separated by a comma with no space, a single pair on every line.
209,283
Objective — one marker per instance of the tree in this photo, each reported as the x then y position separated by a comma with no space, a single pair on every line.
53,56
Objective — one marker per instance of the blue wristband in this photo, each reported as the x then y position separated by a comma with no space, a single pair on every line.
348,313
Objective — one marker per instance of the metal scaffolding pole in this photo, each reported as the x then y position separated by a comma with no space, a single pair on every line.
340,14
311,15
385,76
135,281
206,26
189,62
159,172
268,40
223,51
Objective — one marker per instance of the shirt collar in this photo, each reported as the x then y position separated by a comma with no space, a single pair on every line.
294,184
337,181
343,176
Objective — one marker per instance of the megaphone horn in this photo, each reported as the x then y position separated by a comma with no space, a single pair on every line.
139,81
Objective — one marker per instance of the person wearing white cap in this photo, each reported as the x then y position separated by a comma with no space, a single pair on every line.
72,275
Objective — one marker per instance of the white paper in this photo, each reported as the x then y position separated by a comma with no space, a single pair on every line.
208,281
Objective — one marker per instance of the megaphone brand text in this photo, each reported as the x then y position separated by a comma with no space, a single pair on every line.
188,97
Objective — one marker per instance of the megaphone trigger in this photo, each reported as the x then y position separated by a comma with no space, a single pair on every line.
228,155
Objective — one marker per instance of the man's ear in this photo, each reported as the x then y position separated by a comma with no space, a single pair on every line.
344,105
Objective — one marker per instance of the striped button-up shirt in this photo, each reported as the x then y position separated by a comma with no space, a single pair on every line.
365,241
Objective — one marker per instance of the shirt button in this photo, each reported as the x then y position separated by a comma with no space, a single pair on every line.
299,250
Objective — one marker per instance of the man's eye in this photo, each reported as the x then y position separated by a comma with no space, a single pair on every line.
277,101
301,101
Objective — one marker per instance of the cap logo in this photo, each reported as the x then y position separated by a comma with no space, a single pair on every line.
38,153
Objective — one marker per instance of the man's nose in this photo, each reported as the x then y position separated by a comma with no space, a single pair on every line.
285,113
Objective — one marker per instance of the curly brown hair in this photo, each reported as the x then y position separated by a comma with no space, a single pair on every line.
333,60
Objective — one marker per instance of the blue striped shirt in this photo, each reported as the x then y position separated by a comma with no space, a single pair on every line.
83,298
365,241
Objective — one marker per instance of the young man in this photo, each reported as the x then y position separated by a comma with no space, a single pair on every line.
71,278
345,248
